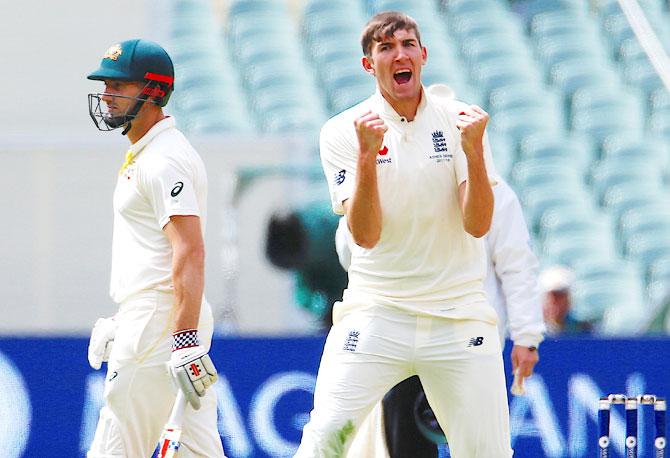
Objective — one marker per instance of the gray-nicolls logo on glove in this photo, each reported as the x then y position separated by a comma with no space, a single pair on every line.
190,366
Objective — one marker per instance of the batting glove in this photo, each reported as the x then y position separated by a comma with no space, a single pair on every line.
102,339
191,367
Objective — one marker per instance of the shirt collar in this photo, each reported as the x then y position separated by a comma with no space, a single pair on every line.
162,125
386,110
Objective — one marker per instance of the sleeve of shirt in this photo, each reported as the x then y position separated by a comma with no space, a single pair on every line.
516,267
343,243
338,158
169,188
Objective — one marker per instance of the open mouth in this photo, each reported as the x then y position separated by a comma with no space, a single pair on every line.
402,76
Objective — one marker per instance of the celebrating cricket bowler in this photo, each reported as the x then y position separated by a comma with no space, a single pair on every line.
411,178
163,327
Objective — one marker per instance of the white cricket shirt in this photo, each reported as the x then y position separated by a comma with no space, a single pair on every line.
166,178
424,262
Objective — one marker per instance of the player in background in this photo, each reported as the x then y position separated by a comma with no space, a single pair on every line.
163,327
411,178
511,284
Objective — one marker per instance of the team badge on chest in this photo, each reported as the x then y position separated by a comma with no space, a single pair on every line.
440,150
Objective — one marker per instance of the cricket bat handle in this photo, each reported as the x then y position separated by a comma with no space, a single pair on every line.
177,414
168,445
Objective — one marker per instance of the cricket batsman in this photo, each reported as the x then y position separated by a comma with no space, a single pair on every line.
163,326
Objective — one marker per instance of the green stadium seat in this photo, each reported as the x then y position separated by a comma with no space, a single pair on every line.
574,7
595,299
611,7
642,75
659,272
648,247
515,96
459,8
253,30
660,124
557,22
628,315
640,222
660,101
344,97
574,150
504,154
254,7
569,76
521,123
422,12
577,217
612,171
478,49
557,222
331,8
466,27
216,120
556,50
651,148
601,123
621,197
617,270
495,73
537,201
291,123
339,78
534,173
571,250
630,50
616,99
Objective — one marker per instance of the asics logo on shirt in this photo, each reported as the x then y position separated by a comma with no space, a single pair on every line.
476,342
178,186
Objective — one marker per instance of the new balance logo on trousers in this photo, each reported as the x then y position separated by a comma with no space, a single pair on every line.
476,342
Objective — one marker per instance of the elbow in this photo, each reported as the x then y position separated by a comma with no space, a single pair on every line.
478,231
368,242
478,234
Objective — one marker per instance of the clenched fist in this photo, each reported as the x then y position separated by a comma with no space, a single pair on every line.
472,123
370,130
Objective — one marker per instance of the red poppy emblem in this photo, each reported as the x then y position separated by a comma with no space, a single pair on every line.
383,151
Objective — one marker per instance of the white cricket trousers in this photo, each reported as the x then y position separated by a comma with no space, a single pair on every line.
138,392
369,351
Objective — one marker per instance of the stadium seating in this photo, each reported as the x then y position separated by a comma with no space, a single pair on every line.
580,121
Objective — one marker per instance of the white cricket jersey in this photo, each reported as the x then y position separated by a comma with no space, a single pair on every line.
166,178
424,261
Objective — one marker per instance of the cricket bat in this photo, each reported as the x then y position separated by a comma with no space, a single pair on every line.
168,445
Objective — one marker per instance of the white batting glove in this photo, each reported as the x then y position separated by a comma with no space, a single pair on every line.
191,367
102,339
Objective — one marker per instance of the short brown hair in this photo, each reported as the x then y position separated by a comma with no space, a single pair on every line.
385,24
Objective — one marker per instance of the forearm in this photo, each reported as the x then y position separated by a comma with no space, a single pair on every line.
364,214
478,199
188,276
